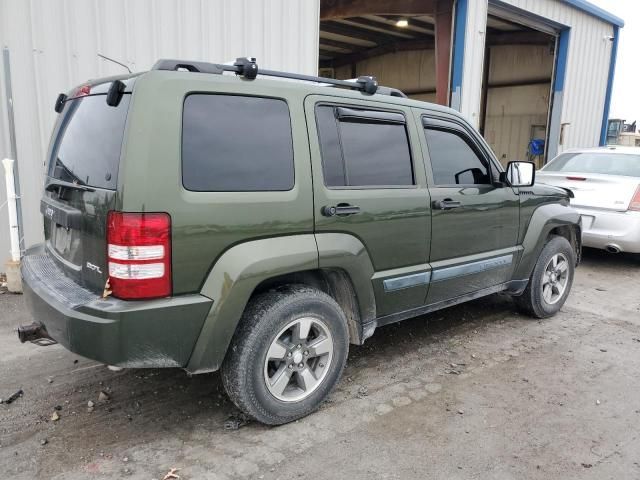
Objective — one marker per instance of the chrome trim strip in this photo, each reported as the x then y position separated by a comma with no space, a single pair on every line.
470,268
406,281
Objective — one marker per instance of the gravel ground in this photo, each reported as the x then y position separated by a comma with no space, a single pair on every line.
474,391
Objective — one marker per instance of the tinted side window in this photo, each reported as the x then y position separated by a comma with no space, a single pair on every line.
362,152
236,143
453,161
331,151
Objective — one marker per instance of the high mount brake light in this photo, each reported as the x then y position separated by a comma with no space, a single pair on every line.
83,91
139,254
634,204
581,179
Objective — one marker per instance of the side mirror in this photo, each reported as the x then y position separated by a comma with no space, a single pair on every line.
519,174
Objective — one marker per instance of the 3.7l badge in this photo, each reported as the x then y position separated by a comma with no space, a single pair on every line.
93,267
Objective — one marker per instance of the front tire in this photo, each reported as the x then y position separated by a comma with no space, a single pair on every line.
550,281
287,354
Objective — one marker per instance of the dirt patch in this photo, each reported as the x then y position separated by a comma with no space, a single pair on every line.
475,391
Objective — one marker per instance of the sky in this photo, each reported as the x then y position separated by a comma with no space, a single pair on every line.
625,102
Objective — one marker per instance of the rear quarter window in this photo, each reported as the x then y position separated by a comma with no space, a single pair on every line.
236,143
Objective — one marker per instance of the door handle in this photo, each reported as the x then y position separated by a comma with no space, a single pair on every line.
446,204
341,210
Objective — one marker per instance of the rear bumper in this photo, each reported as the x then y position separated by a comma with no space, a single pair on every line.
602,228
153,333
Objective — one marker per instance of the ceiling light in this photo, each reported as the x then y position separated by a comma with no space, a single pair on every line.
403,23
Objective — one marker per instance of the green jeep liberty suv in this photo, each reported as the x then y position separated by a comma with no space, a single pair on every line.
199,217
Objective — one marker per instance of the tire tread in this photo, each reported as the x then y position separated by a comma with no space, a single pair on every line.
236,368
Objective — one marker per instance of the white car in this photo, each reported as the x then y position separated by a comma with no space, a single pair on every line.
606,184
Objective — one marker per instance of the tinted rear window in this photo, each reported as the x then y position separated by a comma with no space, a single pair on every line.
236,143
592,162
88,142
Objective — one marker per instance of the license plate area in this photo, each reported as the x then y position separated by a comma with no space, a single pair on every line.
66,243
61,239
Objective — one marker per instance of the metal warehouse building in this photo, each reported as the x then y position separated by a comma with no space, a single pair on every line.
520,70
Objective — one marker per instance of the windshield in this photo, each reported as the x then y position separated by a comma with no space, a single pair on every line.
88,140
595,162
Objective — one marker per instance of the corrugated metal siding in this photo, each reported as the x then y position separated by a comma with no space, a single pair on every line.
587,67
54,46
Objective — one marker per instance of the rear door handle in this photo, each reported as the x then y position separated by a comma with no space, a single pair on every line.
341,210
446,204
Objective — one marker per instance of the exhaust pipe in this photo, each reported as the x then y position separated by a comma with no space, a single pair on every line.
34,333
611,248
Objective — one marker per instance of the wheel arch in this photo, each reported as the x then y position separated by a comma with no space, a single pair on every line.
573,234
336,283
339,266
547,220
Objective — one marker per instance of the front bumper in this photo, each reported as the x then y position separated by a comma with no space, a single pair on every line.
148,333
606,228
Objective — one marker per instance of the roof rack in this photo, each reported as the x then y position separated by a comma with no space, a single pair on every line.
248,68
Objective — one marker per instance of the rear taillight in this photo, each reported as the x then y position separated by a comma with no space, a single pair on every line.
139,254
634,204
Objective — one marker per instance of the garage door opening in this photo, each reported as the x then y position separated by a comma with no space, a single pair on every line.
411,47
405,44
398,49
517,90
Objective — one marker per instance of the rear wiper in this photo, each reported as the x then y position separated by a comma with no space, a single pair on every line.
62,184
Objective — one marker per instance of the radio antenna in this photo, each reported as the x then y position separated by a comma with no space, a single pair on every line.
115,61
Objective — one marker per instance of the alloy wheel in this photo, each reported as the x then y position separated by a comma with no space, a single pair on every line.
555,278
298,359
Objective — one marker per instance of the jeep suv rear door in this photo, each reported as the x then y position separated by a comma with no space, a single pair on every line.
475,220
369,186
81,180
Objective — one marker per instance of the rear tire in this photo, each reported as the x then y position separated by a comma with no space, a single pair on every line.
550,281
287,354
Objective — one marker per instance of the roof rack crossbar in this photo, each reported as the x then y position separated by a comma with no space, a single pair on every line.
248,68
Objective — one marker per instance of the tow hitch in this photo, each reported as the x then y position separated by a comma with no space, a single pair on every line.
35,333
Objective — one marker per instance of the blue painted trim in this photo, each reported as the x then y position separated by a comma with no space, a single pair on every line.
561,60
607,98
406,281
596,12
460,27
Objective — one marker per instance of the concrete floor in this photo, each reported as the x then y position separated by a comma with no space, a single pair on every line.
475,391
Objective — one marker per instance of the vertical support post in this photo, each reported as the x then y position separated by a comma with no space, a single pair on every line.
444,25
459,34
6,61
11,204
607,100
555,123
484,100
